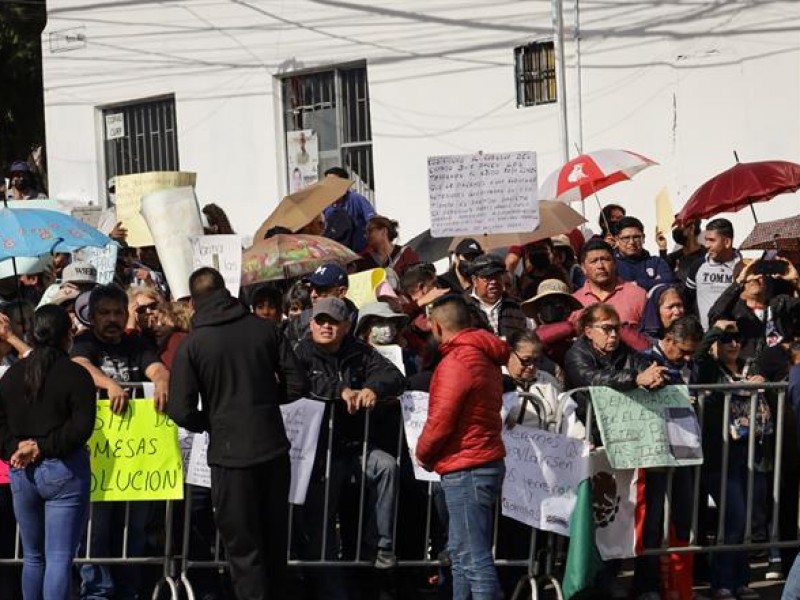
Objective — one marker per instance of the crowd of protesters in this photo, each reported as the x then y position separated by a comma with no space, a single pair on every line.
553,315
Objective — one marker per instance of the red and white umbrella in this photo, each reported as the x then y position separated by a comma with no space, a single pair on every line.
588,173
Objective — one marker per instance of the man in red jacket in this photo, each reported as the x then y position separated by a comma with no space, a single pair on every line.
462,441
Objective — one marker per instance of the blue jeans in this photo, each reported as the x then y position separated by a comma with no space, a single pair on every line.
791,590
51,499
471,496
101,582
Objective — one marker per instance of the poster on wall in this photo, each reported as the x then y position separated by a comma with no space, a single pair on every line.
302,158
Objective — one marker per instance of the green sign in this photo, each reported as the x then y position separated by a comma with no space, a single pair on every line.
135,455
641,428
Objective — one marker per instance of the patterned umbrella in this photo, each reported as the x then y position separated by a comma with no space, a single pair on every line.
783,234
287,256
591,172
37,231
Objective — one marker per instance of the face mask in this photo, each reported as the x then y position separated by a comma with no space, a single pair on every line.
381,335
553,313
679,235
18,183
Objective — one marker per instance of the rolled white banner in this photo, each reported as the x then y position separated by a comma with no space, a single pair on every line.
172,215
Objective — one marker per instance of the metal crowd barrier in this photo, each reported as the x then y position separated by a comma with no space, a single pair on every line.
700,395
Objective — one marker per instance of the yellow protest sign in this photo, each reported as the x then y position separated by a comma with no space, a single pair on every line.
131,188
135,455
362,286
664,214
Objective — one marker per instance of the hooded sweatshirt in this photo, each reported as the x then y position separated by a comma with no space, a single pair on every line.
243,369
463,429
644,270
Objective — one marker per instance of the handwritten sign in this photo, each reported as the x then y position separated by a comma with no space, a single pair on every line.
302,420
135,455
415,412
648,429
129,192
223,253
103,259
115,126
483,193
543,471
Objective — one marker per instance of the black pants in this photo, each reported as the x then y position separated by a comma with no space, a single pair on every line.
252,513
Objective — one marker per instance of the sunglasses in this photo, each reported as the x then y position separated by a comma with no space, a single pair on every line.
526,362
144,308
608,328
730,337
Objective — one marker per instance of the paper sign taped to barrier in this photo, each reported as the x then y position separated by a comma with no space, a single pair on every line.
644,428
223,253
474,194
103,259
302,420
415,412
129,192
543,471
135,455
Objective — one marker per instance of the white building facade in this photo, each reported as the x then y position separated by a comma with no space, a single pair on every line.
217,87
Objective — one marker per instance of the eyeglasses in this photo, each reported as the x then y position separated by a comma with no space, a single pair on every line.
608,328
730,337
144,308
630,239
526,362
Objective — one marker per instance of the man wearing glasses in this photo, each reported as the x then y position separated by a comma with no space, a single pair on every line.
634,263
603,285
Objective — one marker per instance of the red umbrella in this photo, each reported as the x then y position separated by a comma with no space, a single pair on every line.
741,186
591,172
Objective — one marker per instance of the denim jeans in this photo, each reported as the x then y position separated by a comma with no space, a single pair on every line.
100,582
791,590
471,496
51,500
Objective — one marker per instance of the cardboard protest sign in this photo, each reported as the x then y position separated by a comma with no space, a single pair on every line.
129,192
302,420
415,412
103,259
173,217
473,194
221,252
641,428
543,471
135,455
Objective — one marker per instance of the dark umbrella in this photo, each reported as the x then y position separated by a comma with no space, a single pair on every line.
741,186
782,234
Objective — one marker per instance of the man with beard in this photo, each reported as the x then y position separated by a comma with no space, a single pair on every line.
498,309
604,287
113,357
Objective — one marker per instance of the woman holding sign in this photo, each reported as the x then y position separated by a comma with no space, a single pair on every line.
47,411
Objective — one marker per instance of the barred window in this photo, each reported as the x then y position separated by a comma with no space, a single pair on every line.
140,136
535,71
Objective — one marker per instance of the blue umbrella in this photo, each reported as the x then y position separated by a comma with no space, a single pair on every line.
37,231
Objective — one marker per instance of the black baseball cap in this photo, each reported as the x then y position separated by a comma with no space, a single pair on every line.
469,247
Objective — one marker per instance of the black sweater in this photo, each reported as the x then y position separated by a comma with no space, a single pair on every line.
61,421
243,368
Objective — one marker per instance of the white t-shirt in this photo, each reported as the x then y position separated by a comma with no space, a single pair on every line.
709,279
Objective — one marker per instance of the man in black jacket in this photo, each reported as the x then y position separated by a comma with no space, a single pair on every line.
350,376
243,368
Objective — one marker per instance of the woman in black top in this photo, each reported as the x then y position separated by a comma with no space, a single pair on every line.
47,412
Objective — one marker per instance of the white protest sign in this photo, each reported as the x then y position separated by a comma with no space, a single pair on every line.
115,126
173,217
543,471
223,253
415,413
103,259
474,194
302,420
197,472
394,354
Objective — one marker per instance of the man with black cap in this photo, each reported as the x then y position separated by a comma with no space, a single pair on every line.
458,278
244,369
502,313
351,377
